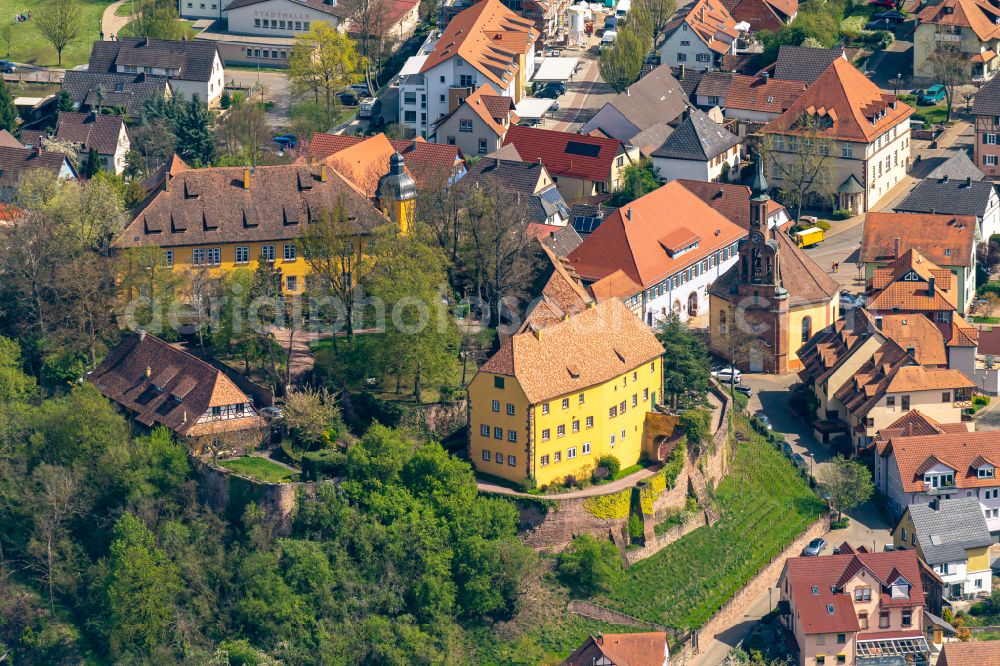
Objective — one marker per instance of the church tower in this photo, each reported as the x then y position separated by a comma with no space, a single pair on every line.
397,194
763,297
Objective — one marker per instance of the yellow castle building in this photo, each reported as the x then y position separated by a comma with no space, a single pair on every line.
555,398
223,218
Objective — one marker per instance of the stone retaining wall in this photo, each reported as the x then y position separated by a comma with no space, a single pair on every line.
734,610
658,543
228,494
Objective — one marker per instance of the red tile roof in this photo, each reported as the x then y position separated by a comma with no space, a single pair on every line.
707,19
488,36
978,15
565,153
956,450
890,291
931,234
978,653
758,93
730,199
828,574
638,649
632,247
854,107
423,159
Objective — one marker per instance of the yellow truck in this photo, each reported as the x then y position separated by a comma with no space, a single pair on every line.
809,237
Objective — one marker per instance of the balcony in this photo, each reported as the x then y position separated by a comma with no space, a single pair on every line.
938,37
950,489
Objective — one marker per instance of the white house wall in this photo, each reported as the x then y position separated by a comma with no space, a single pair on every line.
296,18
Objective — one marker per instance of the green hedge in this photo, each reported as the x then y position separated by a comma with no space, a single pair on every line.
319,465
609,507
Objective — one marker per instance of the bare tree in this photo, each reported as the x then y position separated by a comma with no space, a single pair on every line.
243,134
948,64
500,255
799,161
660,11
56,502
371,21
60,23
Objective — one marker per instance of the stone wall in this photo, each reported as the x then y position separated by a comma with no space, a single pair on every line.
565,520
658,543
734,611
438,420
228,494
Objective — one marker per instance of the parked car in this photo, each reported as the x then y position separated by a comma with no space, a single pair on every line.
348,98
726,375
814,548
764,421
286,141
936,93
271,412
361,89
7,67
880,24
547,93
786,448
560,88
745,390
888,4
799,461
892,15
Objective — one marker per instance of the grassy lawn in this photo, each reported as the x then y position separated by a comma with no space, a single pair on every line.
929,114
764,504
261,469
985,320
27,44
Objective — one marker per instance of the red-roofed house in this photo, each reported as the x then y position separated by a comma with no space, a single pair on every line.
699,36
478,123
424,160
659,253
843,608
865,131
484,45
638,649
581,166
953,464
769,15
971,26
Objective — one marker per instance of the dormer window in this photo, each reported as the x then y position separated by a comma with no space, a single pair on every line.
900,589
986,472
815,590
940,480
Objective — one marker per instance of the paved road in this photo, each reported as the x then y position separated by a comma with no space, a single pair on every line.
278,91
867,525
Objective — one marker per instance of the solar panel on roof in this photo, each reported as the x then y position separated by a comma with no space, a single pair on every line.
582,149
586,225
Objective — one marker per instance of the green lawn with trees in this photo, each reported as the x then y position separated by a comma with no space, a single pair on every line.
24,42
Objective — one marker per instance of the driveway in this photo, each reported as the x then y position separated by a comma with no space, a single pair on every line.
988,417
111,23
277,91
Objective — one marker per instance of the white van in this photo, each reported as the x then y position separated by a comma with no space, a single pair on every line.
608,39
621,11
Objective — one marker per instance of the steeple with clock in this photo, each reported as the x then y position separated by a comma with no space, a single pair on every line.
758,254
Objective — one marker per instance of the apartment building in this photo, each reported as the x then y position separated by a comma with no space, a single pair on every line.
970,26
699,35
484,45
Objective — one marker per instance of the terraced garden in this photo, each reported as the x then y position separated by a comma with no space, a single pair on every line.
764,503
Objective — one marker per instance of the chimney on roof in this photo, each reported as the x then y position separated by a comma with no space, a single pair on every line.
322,173
933,504
765,75
944,178
878,322
184,416
930,286
537,332
38,147
895,248
968,182
149,372
246,178
628,213
166,181
722,193
142,334
680,72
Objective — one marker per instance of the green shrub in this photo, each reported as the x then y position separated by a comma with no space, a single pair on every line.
840,214
824,225
319,465
992,287
609,507
635,527
696,424
741,401
611,463
852,26
841,524
589,565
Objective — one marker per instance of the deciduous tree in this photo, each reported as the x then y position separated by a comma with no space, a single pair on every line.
659,10
948,64
800,161
849,483
590,565
156,19
323,61
60,23
621,63
686,363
